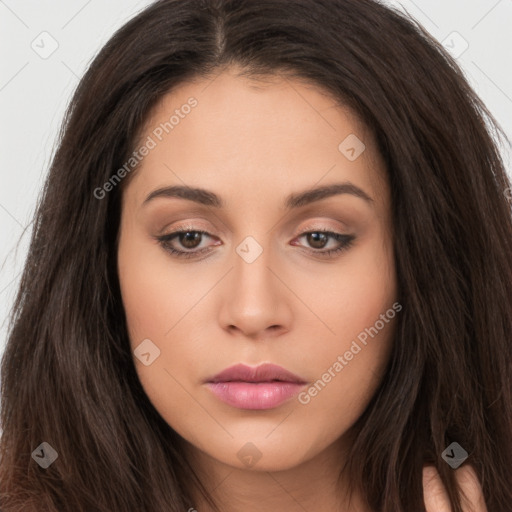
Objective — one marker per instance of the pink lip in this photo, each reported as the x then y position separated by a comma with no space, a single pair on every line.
262,387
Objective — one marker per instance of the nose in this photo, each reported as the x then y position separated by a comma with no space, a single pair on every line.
255,299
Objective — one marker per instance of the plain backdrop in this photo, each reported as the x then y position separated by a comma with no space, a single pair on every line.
47,45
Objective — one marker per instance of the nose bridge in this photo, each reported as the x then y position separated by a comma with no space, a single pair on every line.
254,300
252,276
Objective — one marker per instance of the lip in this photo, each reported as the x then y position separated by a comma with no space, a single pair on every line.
263,387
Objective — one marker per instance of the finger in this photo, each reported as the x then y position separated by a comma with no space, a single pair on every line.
470,486
434,492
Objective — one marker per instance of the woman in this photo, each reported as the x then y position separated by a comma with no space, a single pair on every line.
270,271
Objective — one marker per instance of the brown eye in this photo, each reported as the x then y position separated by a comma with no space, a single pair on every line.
190,239
185,243
317,239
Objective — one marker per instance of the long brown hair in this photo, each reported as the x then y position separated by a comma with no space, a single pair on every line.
67,375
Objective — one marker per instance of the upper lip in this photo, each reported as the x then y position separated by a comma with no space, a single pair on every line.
263,373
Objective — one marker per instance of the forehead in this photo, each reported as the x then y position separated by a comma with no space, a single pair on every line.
255,138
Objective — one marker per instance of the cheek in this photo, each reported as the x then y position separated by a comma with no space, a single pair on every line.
358,305
155,298
156,303
350,296
348,372
162,305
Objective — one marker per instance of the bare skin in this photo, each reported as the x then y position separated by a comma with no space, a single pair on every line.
436,497
253,144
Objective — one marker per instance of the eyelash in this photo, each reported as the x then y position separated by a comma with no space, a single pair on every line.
164,240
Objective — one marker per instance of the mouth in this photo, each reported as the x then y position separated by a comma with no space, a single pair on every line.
263,387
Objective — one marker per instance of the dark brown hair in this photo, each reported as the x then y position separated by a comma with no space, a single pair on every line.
67,375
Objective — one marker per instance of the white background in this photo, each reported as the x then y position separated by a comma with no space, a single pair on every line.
34,91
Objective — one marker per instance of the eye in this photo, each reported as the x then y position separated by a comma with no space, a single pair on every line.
319,238
190,239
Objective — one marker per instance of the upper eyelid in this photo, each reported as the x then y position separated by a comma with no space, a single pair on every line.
312,227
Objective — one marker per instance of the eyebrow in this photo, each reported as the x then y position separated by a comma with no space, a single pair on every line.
295,200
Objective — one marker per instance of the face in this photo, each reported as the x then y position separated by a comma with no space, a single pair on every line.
257,269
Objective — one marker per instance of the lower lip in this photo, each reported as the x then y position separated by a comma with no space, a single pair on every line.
257,395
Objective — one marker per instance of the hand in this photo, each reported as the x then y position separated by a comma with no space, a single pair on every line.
436,497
